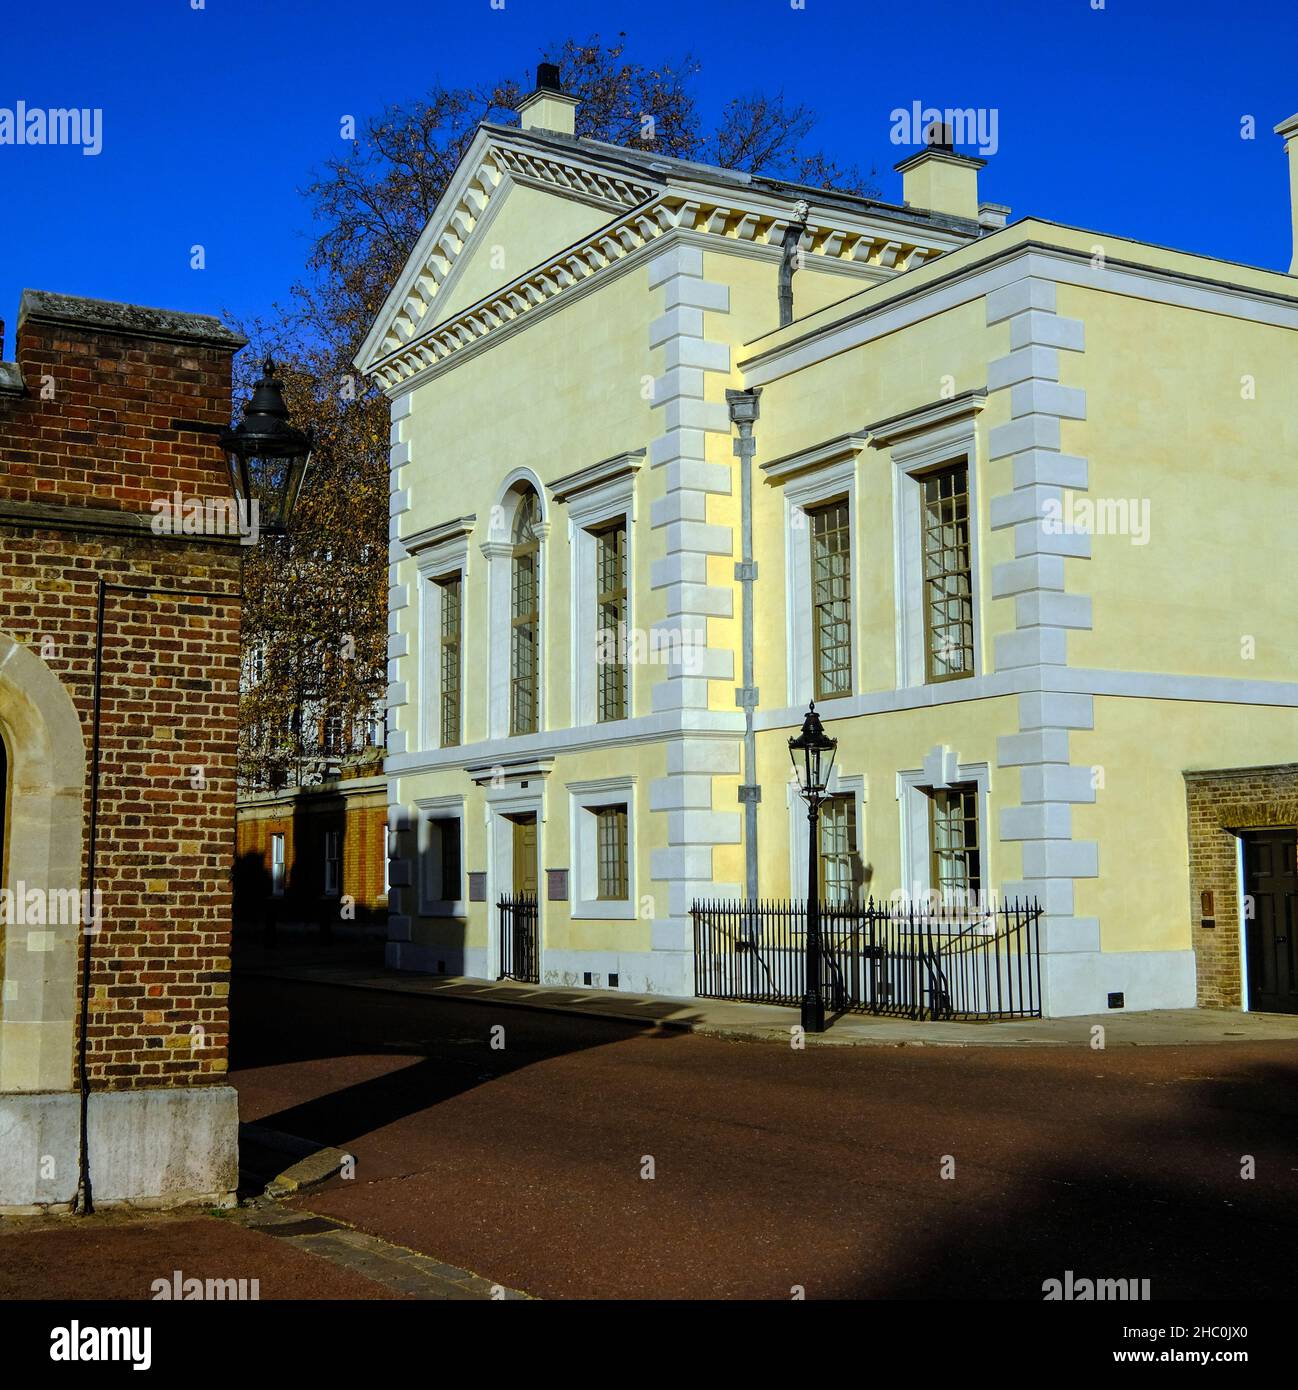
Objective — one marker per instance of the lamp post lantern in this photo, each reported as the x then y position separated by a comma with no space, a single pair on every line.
808,754
268,457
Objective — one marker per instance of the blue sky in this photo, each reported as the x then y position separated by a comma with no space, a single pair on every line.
1125,119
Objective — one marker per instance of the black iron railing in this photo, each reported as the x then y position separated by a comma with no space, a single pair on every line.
519,959
908,960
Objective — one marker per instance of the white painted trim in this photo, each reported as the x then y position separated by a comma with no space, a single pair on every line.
588,512
1162,685
831,451
827,481
498,805
583,888
1072,680
433,538
645,728
887,314
915,868
952,437
608,474
498,550
427,810
431,568
840,784
500,524
1243,923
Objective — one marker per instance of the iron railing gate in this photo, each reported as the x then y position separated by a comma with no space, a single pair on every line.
519,959
909,961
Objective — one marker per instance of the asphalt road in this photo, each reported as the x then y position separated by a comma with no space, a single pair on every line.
774,1168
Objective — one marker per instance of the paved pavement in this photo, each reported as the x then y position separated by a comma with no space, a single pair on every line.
277,1253
583,1156
119,1255
760,1022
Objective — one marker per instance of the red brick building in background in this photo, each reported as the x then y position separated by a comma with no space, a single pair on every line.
316,855
107,413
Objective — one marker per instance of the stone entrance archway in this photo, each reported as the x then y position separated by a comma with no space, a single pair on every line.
46,771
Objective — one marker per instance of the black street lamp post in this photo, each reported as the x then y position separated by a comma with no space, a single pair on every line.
807,752
268,456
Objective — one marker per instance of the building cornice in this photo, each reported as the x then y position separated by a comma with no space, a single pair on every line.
408,341
901,303
596,475
491,774
433,536
925,418
823,455
496,752
127,320
112,521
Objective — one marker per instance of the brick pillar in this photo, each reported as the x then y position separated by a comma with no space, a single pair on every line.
110,472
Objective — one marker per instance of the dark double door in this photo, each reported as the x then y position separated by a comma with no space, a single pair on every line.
1271,953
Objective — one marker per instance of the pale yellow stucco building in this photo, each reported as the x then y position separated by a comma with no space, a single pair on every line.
1021,501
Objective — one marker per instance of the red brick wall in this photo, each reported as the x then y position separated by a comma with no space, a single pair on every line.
104,438
302,820
101,423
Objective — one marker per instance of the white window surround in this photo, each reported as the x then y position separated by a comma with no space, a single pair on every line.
277,865
333,863
498,549
499,804
942,769
439,553
1242,899
944,432
594,497
834,478
840,784
428,851
584,798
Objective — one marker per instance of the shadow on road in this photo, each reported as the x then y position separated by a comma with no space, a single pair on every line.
273,1023
1130,1196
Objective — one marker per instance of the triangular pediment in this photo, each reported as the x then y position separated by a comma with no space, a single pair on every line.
508,208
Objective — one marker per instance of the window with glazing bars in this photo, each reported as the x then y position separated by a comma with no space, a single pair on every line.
333,862
953,835
948,587
838,849
611,850
525,616
831,598
451,666
610,609
448,832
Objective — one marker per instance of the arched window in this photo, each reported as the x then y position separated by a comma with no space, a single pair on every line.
525,617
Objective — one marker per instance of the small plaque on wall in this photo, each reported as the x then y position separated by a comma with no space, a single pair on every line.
477,888
556,885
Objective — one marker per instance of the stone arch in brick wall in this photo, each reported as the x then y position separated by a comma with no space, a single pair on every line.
46,761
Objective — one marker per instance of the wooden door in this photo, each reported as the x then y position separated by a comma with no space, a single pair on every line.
524,855
1271,881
